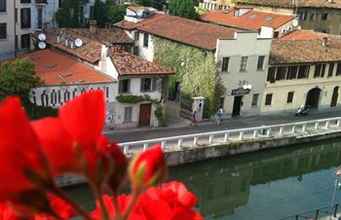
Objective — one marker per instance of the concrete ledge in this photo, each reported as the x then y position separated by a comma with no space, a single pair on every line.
200,153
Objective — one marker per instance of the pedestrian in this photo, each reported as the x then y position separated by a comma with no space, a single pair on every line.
194,118
219,115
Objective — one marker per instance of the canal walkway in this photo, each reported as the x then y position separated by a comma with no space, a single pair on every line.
232,123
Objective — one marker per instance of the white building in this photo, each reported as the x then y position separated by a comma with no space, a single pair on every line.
304,69
134,87
241,56
7,29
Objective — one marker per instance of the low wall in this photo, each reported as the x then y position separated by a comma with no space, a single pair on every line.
200,153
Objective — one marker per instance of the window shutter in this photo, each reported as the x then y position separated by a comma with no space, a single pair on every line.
141,87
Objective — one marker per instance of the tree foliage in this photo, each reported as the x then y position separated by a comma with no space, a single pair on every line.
108,12
195,70
17,78
70,14
183,8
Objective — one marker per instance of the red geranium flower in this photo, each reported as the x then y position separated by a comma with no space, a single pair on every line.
164,202
21,159
57,145
148,168
114,162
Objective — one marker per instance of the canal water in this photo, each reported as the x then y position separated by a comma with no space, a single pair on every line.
266,185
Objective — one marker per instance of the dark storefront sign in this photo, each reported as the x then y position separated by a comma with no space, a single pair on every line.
240,92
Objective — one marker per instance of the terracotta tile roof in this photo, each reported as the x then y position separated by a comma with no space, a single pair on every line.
194,33
90,51
128,64
293,4
55,68
92,42
306,47
304,35
252,20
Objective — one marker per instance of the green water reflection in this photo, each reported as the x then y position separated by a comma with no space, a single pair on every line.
266,185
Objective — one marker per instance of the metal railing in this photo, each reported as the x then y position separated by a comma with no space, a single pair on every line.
296,129
324,213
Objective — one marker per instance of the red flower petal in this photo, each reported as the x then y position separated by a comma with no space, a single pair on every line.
153,164
57,145
84,117
19,150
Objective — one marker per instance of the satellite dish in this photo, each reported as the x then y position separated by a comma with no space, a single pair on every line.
78,42
42,37
42,45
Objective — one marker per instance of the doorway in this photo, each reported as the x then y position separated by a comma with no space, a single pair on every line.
313,98
237,104
145,113
335,97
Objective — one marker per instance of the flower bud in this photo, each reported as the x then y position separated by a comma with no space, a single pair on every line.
147,168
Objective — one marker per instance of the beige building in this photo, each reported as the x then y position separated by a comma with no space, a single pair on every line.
7,31
304,69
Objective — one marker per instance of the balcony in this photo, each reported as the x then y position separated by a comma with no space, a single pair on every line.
41,1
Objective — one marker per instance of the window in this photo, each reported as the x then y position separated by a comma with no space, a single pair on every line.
290,97
254,102
320,70
338,69
124,86
3,6
292,72
271,74
276,34
25,18
148,84
40,18
137,35
3,30
243,64
260,64
331,69
281,73
324,16
225,65
25,1
268,99
25,41
145,39
303,72
128,113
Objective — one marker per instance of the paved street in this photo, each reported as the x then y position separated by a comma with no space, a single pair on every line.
144,134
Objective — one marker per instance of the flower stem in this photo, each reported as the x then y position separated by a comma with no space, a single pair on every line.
117,207
131,204
58,192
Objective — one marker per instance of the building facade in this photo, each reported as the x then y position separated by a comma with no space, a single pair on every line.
134,88
304,70
7,29
241,57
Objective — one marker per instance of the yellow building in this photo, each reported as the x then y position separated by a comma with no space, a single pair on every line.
304,69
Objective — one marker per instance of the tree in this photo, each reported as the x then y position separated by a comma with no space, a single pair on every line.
147,3
115,13
70,14
99,13
183,8
17,78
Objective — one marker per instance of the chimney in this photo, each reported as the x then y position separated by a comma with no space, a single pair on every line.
93,26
